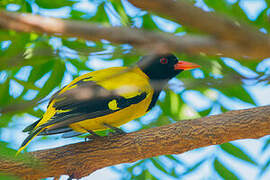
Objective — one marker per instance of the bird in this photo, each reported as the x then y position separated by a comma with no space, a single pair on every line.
107,98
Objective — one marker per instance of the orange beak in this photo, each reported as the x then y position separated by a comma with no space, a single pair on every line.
183,65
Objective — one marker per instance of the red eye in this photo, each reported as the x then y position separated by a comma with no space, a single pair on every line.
163,61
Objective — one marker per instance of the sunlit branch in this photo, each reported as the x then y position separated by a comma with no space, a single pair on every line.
153,42
246,37
81,159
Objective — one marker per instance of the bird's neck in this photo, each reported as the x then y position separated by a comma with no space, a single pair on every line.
157,83
152,73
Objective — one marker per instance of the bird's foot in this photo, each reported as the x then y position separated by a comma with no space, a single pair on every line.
116,131
92,136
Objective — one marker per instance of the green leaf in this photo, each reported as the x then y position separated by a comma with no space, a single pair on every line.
5,119
237,152
54,4
252,65
4,93
43,48
79,64
100,16
81,47
4,36
26,7
77,45
223,171
38,113
145,175
54,79
237,90
4,176
5,152
13,55
139,163
262,20
42,69
267,2
148,22
205,112
77,15
264,168
223,109
27,85
159,165
165,104
194,167
124,18
232,10
19,106
176,160
129,59
266,145
175,104
172,105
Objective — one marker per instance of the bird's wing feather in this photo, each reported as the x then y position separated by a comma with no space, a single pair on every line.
91,95
87,99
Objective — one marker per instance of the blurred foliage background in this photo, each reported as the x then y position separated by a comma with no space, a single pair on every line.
33,67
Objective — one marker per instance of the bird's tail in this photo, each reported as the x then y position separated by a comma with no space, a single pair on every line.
31,127
29,139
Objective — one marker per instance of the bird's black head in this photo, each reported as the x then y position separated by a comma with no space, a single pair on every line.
163,67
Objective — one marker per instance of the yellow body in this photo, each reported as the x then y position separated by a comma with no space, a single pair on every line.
129,82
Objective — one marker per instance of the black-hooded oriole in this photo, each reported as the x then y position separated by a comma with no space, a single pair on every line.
107,98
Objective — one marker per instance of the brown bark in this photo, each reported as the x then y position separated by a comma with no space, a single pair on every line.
83,158
213,23
150,41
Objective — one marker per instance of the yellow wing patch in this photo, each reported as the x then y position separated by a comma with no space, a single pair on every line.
113,105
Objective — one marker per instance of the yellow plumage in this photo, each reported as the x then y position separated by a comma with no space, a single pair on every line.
112,79
125,81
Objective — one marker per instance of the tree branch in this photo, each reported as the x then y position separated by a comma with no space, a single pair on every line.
83,158
152,41
212,23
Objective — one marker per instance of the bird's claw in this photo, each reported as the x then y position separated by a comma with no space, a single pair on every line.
116,131
92,136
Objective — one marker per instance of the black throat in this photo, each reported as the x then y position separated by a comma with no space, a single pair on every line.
160,69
